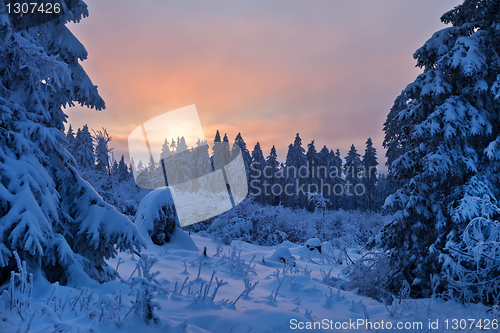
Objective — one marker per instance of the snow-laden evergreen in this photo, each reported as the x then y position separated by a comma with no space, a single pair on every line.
370,173
442,137
257,177
353,169
84,152
49,215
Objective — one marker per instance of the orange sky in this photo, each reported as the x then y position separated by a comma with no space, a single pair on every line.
327,69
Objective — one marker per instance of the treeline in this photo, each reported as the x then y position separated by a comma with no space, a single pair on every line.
351,182
92,152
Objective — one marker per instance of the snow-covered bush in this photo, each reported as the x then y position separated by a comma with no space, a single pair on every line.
370,275
21,289
156,216
272,225
476,274
145,287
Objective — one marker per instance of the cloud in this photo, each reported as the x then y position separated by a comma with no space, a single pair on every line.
268,69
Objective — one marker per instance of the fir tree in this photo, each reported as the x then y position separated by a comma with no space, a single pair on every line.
257,179
70,136
84,154
369,173
181,144
240,146
352,169
296,172
312,179
443,137
271,171
335,179
122,169
49,215
323,173
102,151
165,150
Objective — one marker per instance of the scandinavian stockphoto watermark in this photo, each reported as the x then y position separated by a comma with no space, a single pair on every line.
170,150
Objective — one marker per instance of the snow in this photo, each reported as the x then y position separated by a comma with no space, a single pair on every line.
285,296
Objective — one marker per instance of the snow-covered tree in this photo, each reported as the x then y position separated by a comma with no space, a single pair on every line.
313,178
51,217
443,137
102,151
181,144
247,158
257,178
271,176
84,148
352,170
295,163
165,150
70,136
369,173
122,171
335,178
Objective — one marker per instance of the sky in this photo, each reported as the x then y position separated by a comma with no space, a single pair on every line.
327,69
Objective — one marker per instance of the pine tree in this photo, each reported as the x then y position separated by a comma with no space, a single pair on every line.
369,173
70,136
313,178
221,153
49,215
336,181
122,169
181,144
173,146
323,173
240,146
102,151
165,150
352,169
443,137
296,173
271,171
257,179
84,154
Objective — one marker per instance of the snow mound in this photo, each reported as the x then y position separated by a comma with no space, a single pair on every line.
314,244
180,240
282,255
156,218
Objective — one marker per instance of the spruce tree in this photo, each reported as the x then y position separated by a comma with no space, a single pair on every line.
442,138
165,150
257,178
271,172
297,172
240,146
369,173
313,179
84,148
335,178
49,215
323,173
122,169
352,169
70,137
102,151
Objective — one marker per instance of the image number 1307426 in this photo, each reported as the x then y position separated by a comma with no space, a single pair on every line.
25,14
170,150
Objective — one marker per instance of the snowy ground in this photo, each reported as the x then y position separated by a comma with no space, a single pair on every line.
305,296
